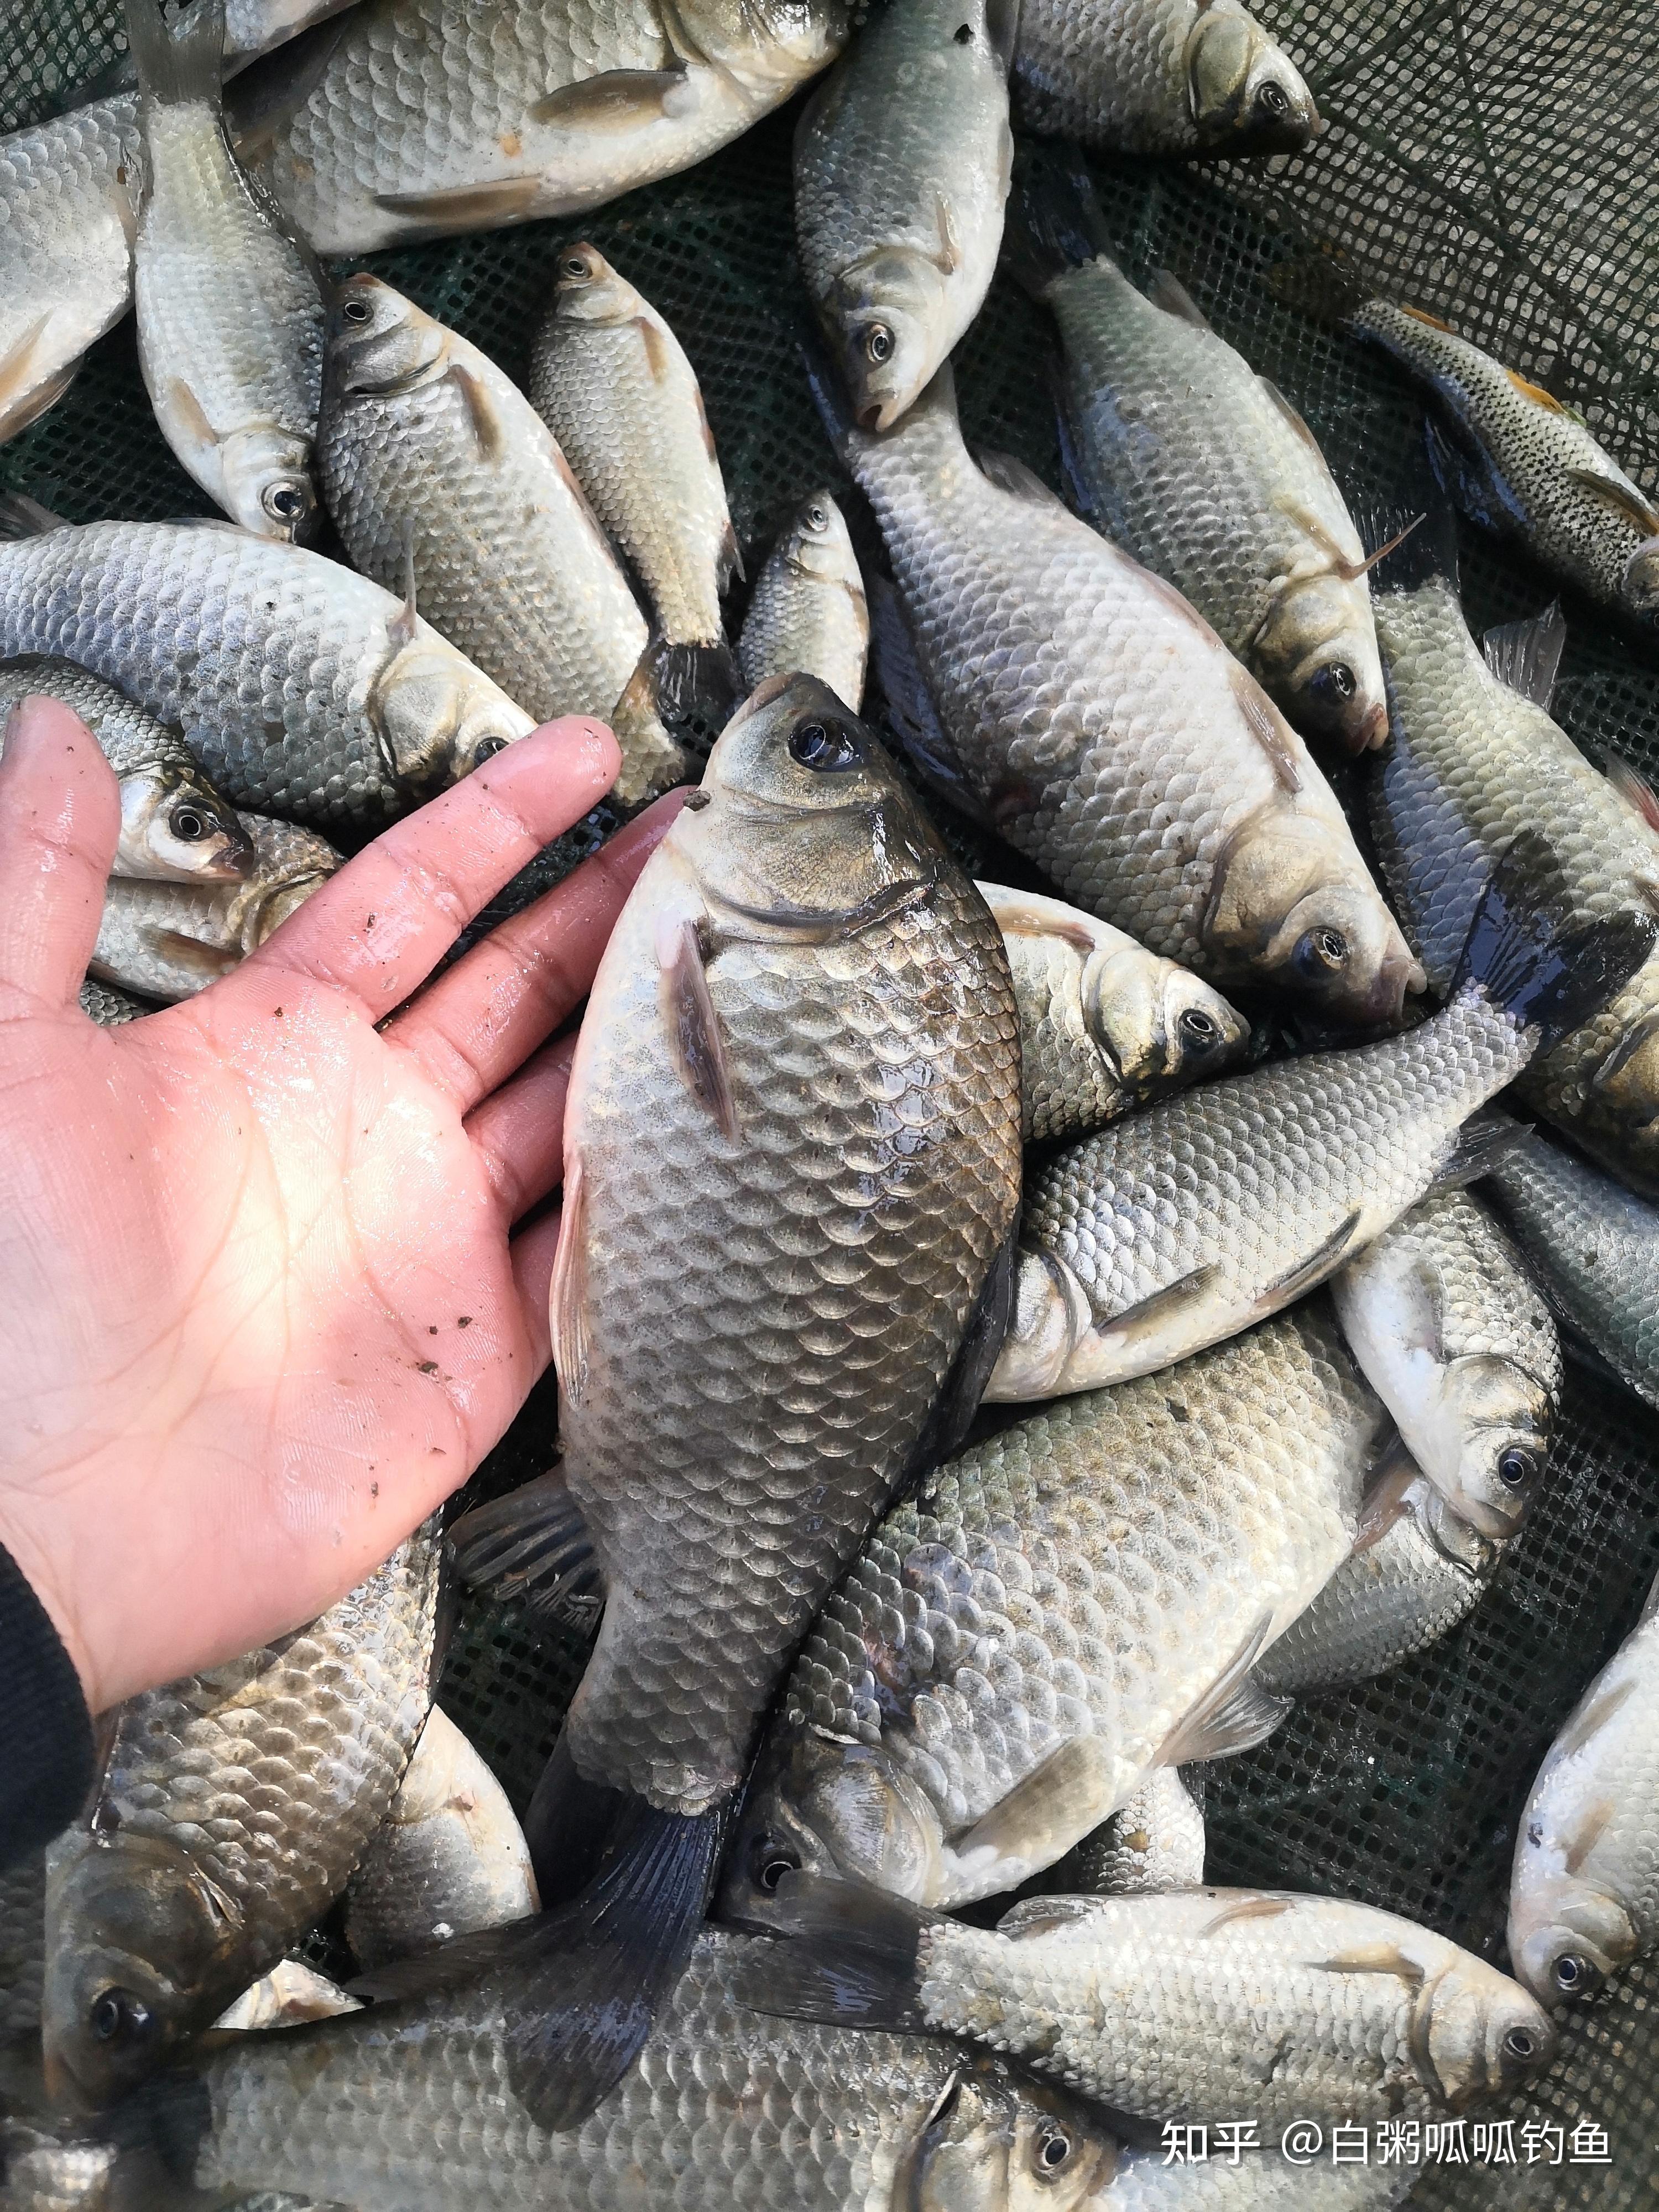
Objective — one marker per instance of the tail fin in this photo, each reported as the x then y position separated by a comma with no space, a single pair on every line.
849,1956
177,67
698,689
1053,221
1408,544
531,1547
1547,973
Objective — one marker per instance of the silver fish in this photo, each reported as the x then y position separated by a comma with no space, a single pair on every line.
1104,1026
1067,1606
176,826
229,1809
1155,1841
612,383
230,318
1585,1892
409,118
448,1859
1476,761
1172,1230
808,612
903,159
1107,732
436,467
1202,470
168,942
1456,1341
1520,463
1259,2002
303,689
1596,1248
1159,77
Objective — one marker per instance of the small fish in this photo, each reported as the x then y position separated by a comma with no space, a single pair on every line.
1202,470
1188,2005
1155,1841
437,469
1475,761
1159,77
168,942
1104,1026
448,1859
230,318
808,613
1175,1228
612,383
1584,1891
1595,1248
1391,1599
418,119
1086,712
176,826
229,1809
1071,1604
903,158
1456,1341
303,689
290,1994
1523,465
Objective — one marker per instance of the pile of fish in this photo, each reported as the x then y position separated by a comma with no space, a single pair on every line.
856,1145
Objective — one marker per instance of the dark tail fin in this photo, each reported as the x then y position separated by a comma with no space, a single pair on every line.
1410,543
1544,972
174,67
848,1955
698,689
1053,221
530,1547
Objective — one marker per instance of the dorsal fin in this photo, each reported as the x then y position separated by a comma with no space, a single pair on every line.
1525,655
1167,291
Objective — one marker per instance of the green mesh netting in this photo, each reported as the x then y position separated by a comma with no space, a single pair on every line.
1490,163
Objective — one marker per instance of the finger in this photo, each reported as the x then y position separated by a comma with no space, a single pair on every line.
519,1131
488,1013
533,1254
60,815
380,925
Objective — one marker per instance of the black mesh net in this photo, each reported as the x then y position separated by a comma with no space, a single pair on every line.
1491,164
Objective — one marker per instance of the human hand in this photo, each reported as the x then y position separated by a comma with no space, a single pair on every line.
260,1312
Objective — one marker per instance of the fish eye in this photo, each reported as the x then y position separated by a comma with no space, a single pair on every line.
284,500
771,1862
965,34
1198,1027
817,519
1055,2150
830,747
878,343
189,824
1337,679
1321,951
486,747
357,311
117,2014
576,264
1520,2043
1572,1975
1516,1467
1272,100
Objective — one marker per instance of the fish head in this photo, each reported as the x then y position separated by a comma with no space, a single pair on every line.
588,289
1566,1935
291,863
887,318
1246,94
1316,654
1156,1025
1294,908
996,2142
435,717
1497,1420
140,1945
764,43
819,545
805,826
844,1811
1639,585
378,341
1477,2032
176,829
268,484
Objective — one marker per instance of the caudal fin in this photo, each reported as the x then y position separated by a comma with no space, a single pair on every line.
1053,221
698,689
848,1955
178,66
1546,972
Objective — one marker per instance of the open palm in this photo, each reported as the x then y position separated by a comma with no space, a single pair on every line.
260,1311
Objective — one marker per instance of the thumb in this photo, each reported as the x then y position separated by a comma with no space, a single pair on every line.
60,816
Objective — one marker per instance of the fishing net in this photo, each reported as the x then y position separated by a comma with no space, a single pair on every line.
1488,162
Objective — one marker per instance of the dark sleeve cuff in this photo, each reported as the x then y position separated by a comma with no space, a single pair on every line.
45,1730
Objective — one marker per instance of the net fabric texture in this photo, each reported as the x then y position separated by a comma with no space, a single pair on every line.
1492,165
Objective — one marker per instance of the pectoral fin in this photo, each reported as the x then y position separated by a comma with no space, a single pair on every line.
487,429
1325,1260
697,1041
467,206
1632,505
567,1295
1054,1807
190,953
619,100
1233,1714
1295,420
1168,292
1150,1316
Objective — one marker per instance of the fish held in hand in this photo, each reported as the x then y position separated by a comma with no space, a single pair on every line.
902,159
808,613
1160,77
438,471
1104,1026
1584,1891
1202,470
1067,1607
169,941
1180,1226
1100,726
176,826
